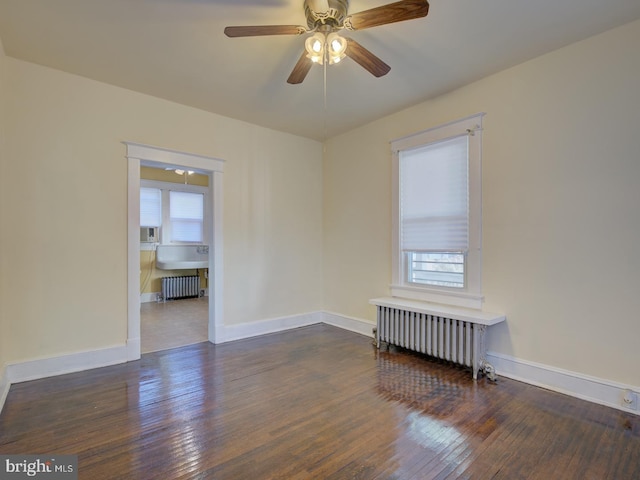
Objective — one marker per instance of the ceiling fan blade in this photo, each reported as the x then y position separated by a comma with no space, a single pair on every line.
259,30
391,13
301,69
366,59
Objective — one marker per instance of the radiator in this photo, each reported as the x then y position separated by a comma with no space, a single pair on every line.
174,288
458,341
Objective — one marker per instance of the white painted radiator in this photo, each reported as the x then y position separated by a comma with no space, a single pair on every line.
174,288
458,340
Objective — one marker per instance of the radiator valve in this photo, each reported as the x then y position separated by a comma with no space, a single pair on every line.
490,371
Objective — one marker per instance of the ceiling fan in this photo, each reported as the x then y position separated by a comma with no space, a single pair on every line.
327,17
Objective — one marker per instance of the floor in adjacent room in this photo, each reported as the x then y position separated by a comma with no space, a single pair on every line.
175,323
313,403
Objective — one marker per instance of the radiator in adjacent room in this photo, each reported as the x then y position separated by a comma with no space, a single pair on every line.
411,325
174,288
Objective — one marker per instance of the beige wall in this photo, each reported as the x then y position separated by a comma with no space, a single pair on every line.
561,227
4,329
67,164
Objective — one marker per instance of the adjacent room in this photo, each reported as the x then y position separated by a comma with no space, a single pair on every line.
320,238
174,260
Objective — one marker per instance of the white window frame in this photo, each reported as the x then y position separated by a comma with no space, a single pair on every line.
165,188
471,295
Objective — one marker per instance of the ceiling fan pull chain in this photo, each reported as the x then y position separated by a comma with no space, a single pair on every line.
324,119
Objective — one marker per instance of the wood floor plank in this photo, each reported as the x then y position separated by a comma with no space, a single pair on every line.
316,402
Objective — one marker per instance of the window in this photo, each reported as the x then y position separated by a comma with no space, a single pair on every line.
150,207
186,216
444,269
437,214
179,211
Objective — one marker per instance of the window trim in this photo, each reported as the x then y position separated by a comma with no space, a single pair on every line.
470,296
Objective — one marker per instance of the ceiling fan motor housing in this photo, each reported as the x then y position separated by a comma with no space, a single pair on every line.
317,13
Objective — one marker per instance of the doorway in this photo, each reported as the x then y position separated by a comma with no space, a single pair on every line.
139,155
174,218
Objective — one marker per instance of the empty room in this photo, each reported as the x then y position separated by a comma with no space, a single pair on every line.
319,239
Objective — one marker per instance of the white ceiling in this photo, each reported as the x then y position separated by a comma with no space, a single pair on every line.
176,49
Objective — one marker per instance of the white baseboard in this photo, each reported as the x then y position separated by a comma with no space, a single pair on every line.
597,390
352,324
592,389
149,297
133,349
73,362
229,333
4,386
152,297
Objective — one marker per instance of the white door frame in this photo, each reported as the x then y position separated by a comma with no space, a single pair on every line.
137,155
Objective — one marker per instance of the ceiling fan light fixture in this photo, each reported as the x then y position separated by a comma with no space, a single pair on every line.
337,47
315,47
332,45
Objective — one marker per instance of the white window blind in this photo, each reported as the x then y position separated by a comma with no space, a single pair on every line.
186,212
150,207
437,214
434,197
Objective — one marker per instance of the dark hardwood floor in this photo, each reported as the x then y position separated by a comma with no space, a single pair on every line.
316,402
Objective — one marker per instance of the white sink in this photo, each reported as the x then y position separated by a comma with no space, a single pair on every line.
180,257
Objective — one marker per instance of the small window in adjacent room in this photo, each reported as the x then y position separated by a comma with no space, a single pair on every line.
187,216
150,207
179,211
437,208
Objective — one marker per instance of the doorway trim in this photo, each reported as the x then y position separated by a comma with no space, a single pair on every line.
146,155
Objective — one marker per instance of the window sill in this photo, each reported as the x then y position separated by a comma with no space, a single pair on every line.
456,299
456,313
